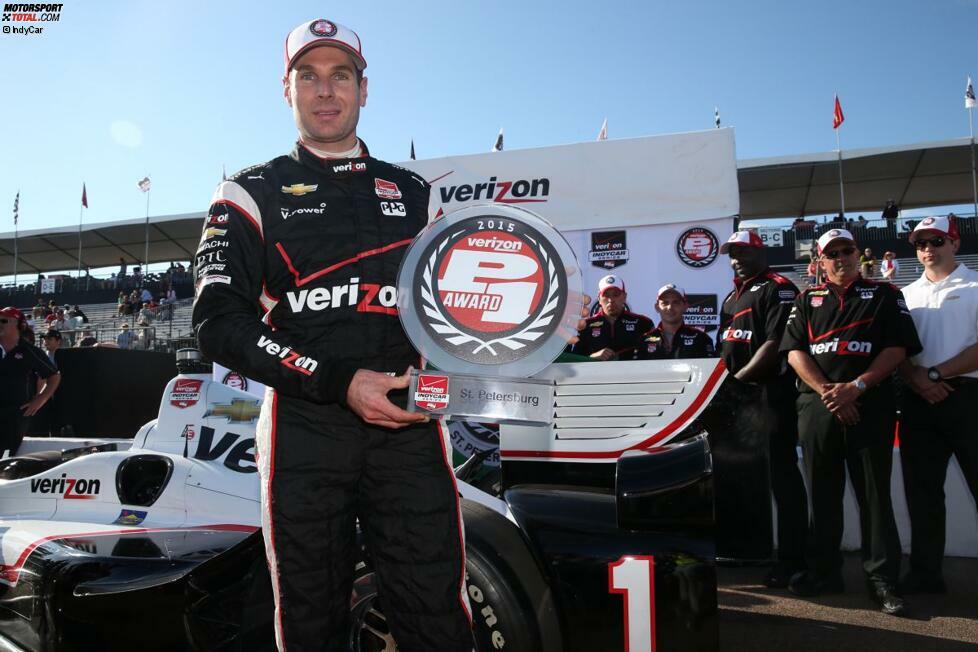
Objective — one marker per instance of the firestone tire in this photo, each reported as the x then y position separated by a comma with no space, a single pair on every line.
501,618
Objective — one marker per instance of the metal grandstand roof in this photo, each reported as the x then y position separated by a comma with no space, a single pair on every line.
925,174
171,237
915,176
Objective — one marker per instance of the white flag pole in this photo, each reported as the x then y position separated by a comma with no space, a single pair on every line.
146,246
974,181
80,209
842,192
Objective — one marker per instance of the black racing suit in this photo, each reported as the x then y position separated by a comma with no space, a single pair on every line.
295,277
621,335
687,342
843,330
753,314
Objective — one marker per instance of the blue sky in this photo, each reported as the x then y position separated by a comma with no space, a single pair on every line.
117,90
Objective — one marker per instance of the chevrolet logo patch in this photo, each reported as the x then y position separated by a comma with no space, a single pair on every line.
237,411
212,232
299,189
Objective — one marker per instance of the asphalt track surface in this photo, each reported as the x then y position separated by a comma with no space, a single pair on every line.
754,617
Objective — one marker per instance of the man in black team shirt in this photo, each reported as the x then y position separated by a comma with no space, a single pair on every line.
20,364
613,333
672,338
844,339
752,321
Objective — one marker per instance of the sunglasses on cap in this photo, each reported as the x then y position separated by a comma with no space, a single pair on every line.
936,242
843,251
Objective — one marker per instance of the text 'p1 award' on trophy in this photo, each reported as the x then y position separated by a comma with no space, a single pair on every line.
489,295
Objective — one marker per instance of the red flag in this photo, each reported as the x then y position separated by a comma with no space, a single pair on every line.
84,197
837,117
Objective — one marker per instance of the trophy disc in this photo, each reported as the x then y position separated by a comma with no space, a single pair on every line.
490,290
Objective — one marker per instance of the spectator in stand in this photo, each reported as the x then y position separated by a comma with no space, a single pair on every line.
121,276
847,413
938,415
861,221
752,323
890,212
20,363
39,311
52,342
125,338
134,303
672,338
145,295
87,339
78,312
613,332
146,315
137,276
121,301
867,263
889,267
812,271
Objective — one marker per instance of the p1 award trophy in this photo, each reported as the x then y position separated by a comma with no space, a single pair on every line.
489,294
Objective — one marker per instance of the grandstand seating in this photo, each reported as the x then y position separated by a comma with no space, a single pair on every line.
105,324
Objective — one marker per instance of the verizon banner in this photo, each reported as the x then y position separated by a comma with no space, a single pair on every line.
652,210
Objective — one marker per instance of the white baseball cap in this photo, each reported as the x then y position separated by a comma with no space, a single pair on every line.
831,236
743,238
941,224
610,281
670,287
318,32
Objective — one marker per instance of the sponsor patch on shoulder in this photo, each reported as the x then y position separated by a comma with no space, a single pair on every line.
817,301
786,294
213,278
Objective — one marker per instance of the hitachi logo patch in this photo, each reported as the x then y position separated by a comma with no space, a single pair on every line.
69,488
520,191
291,359
842,347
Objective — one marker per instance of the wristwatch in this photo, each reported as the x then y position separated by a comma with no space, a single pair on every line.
860,384
934,375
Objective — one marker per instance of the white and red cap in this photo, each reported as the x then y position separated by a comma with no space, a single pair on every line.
831,236
670,287
318,32
742,238
610,281
941,225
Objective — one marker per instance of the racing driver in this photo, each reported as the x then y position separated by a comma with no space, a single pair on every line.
295,277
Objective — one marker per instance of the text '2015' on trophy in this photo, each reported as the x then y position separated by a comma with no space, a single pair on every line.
489,295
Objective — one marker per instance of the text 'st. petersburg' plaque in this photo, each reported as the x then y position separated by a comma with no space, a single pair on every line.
489,295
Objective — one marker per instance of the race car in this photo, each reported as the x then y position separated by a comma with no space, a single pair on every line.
599,531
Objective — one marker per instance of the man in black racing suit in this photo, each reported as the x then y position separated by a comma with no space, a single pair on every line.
295,276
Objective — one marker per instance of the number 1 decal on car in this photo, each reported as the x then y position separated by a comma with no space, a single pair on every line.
633,576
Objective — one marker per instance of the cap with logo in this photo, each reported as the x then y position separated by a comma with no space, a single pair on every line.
831,236
610,281
670,287
941,225
320,31
742,238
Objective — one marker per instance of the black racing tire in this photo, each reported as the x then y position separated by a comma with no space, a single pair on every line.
502,619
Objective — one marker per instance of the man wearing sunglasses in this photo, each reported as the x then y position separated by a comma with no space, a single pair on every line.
936,416
20,363
844,339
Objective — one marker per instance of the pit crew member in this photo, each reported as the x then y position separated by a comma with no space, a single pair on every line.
752,320
844,339
672,338
295,276
937,415
21,363
613,332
